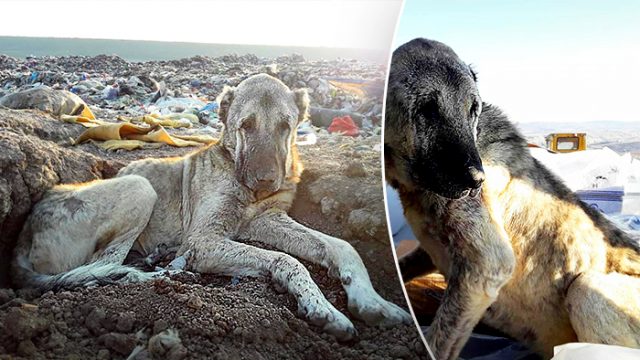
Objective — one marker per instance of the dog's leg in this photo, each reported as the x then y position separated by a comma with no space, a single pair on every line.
98,221
223,256
482,261
278,229
91,225
605,308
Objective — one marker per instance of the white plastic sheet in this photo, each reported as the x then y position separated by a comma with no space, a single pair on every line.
593,169
585,351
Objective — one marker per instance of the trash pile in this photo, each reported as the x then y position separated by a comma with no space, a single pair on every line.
604,179
179,95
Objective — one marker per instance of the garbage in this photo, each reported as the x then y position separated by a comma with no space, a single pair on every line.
306,135
586,351
167,105
56,102
604,179
128,136
322,117
110,92
344,125
180,94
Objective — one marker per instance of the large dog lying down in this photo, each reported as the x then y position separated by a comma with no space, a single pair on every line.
518,249
240,188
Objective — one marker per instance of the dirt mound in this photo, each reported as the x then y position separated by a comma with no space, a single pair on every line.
215,317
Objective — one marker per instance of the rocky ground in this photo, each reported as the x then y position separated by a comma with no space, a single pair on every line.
190,316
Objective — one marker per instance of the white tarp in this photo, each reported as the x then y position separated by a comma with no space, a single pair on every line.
585,351
593,169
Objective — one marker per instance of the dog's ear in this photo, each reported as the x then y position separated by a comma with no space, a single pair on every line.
302,102
224,102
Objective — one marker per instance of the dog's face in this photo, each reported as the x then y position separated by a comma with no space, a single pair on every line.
431,121
261,116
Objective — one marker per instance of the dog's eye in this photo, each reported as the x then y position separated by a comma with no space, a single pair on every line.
429,109
284,127
473,111
248,124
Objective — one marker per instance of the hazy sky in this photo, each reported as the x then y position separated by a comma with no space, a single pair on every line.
353,24
541,60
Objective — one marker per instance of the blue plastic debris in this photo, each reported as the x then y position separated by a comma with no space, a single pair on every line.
212,106
235,280
110,93
34,77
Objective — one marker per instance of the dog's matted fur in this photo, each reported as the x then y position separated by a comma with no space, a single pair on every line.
522,254
240,188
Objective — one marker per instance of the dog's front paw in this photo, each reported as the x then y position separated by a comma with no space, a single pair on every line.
321,313
370,307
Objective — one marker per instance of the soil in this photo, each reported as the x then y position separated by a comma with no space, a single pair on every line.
215,317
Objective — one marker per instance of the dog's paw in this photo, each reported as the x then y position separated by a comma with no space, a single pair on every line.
332,321
180,262
370,307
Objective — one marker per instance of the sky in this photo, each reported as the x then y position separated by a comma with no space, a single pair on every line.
541,60
344,24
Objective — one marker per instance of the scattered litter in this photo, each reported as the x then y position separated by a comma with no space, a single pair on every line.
129,136
344,125
44,98
606,180
306,135
181,94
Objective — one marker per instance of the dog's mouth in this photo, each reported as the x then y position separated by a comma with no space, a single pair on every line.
472,193
460,194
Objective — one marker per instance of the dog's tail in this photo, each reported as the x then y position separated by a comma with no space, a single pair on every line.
98,272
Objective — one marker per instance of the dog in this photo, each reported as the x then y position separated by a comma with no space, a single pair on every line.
518,249
204,203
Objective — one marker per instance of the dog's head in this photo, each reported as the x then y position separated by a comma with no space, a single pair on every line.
261,116
431,121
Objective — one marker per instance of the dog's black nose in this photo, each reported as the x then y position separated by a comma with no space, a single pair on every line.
476,176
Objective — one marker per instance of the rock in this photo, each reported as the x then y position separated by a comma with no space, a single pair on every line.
125,322
167,345
195,302
355,169
56,340
121,343
27,349
103,354
24,324
46,99
400,351
328,205
6,295
363,221
94,321
160,326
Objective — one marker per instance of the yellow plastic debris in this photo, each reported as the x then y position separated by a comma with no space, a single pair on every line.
162,136
82,120
165,121
87,113
205,139
113,145
129,136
